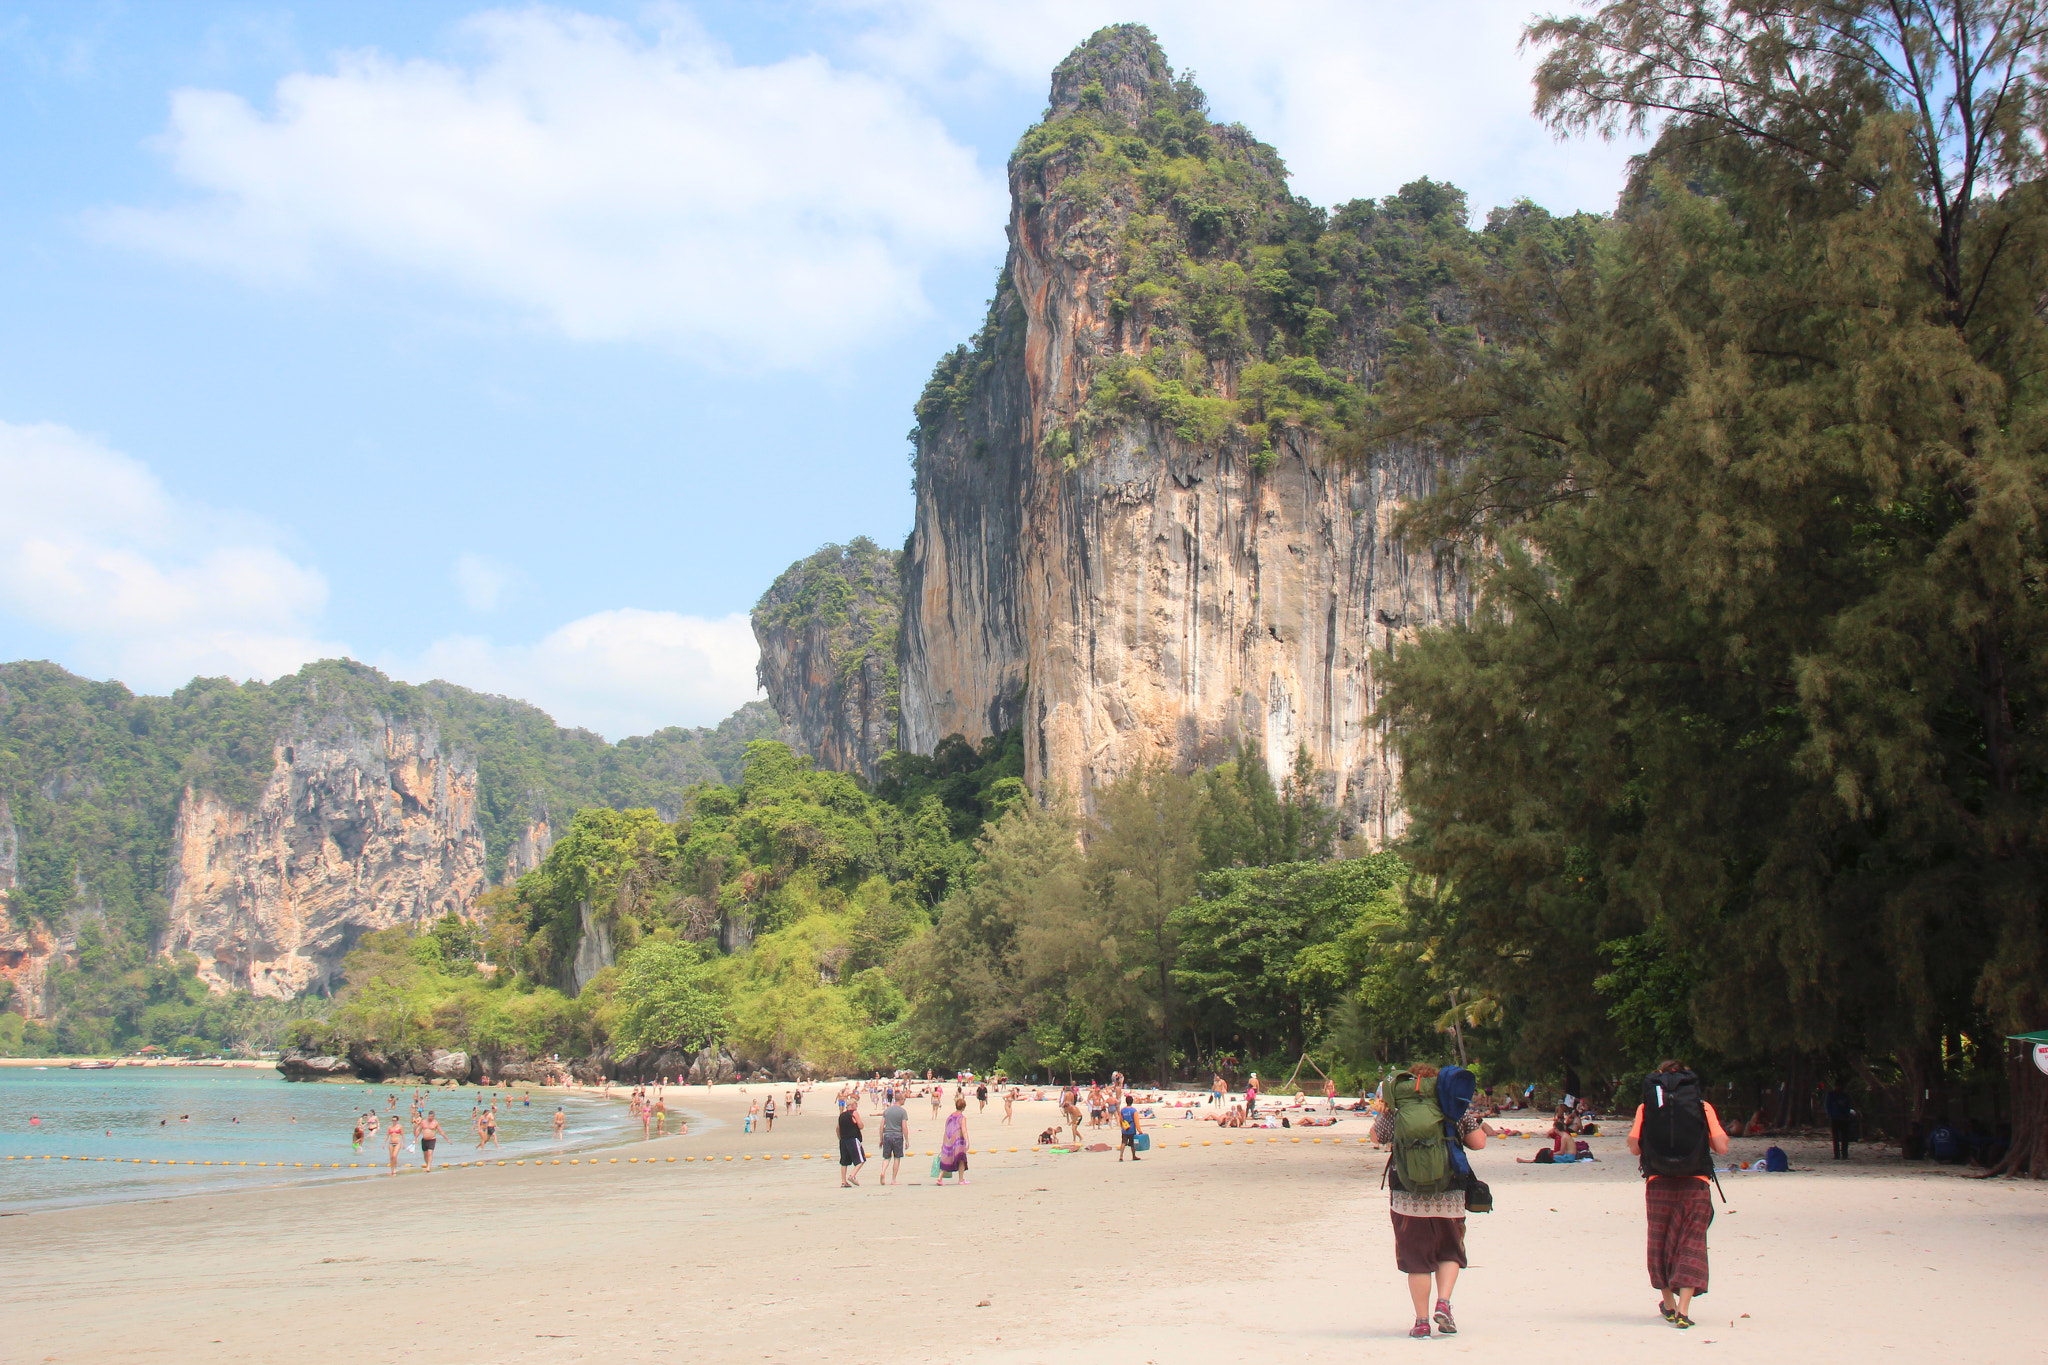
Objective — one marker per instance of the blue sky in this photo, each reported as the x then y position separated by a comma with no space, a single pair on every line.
523,346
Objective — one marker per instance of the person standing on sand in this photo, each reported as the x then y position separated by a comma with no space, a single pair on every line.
430,1134
1009,1099
953,1148
851,1156
1128,1130
768,1112
1429,1229
895,1133
1841,1120
981,1098
394,1138
1680,1207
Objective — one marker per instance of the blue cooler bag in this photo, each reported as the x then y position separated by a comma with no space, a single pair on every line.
1143,1143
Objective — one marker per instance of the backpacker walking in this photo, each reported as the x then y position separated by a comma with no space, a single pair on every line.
1426,1192
1677,1134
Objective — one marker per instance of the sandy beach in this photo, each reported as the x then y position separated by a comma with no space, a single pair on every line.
1200,1253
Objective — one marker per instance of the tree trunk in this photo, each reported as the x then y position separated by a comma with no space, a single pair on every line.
2028,1154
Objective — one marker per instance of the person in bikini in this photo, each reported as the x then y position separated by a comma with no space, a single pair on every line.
394,1138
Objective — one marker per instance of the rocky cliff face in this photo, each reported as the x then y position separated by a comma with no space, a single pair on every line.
828,635
356,831
26,947
1132,536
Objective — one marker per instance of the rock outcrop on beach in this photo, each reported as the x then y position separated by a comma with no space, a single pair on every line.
827,629
1133,535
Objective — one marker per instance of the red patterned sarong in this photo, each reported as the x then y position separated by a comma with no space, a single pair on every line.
1681,1208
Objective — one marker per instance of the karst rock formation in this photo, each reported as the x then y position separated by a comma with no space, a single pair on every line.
1133,536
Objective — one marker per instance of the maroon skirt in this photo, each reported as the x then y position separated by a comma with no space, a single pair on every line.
1680,1207
1423,1244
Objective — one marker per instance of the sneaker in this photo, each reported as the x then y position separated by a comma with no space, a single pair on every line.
1680,1320
1670,1313
1445,1323
1420,1329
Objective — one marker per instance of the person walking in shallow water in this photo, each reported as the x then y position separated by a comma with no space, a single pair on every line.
430,1134
394,1138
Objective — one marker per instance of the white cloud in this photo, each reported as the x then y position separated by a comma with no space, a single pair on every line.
623,672
610,185
480,582
153,589
1359,96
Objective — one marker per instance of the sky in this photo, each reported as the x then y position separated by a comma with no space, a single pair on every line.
524,346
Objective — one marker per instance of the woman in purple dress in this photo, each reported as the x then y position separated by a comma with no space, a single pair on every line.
953,1150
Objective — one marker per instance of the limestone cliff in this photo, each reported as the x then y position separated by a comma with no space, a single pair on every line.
354,831
827,628
1132,536
266,826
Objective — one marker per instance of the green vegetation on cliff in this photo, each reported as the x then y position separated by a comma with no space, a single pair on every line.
1237,311
832,618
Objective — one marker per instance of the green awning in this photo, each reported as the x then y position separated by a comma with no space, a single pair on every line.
2039,1035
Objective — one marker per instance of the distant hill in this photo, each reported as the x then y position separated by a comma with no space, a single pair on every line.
235,803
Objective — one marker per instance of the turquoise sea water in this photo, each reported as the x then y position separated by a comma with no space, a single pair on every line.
187,1114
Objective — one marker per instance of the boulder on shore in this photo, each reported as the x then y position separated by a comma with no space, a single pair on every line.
302,1064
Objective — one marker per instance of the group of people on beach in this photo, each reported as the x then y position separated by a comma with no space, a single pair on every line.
1429,1216
425,1130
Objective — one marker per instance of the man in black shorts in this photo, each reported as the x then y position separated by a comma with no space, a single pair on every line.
895,1132
1127,1120
430,1133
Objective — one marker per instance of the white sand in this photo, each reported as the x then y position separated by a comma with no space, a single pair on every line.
1276,1250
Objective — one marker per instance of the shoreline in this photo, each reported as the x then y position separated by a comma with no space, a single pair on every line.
1270,1243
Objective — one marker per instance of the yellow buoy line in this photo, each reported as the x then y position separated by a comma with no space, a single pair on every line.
572,1161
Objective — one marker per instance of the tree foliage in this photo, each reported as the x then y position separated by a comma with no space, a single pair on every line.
1752,488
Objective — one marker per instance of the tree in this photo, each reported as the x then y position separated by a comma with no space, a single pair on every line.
967,977
1143,858
1752,490
666,993
1258,946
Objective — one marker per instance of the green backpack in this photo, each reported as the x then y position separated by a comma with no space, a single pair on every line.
1420,1157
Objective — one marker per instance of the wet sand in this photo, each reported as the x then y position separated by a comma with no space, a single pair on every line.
1216,1253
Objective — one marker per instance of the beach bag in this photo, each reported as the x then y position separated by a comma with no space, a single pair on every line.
1775,1160
1142,1143
937,1170
1674,1138
1478,1195
1421,1157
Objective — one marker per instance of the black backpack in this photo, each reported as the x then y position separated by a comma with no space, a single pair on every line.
1674,1138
